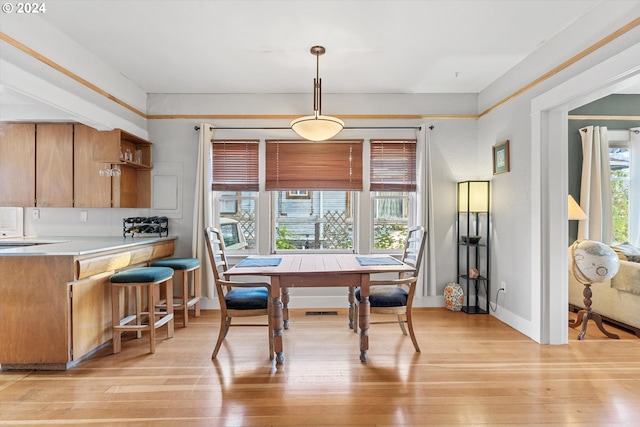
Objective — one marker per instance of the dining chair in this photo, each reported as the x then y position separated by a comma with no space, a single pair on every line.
395,296
237,299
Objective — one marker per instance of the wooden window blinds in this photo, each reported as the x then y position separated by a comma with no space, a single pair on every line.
393,165
235,165
296,165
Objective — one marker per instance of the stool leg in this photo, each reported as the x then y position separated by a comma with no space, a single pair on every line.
152,316
197,291
138,305
185,298
115,317
170,325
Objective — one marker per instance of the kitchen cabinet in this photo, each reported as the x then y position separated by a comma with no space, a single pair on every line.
54,165
114,149
55,309
36,164
58,165
90,190
17,164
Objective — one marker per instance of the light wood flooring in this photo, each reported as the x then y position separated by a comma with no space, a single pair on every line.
473,371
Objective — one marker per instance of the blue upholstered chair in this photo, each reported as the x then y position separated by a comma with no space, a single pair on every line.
395,296
190,294
145,318
237,299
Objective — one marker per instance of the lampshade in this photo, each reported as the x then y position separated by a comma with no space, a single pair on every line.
575,212
317,127
473,196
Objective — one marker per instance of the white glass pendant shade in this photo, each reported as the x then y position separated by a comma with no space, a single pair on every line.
317,127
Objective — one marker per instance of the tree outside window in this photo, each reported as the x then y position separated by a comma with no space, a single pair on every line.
620,175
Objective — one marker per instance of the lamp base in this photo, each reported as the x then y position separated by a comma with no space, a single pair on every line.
585,314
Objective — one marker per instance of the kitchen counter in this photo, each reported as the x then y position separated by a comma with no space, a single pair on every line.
55,295
71,246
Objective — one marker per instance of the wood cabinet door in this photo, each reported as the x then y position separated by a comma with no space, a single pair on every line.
17,164
90,189
54,165
90,313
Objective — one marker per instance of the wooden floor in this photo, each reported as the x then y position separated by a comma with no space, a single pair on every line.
473,371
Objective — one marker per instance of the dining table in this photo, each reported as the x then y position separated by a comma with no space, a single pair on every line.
318,270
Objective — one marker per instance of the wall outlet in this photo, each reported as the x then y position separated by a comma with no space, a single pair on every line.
503,286
84,216
36,214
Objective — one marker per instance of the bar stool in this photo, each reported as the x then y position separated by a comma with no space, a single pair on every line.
186,299
141,279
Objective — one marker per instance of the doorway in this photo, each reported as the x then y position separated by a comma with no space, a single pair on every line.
549,112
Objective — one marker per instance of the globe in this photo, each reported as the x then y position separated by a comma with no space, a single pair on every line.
592,262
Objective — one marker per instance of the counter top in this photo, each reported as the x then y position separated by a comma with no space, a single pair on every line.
72,246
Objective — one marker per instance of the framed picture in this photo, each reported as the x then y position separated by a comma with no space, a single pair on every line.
298,194
501,157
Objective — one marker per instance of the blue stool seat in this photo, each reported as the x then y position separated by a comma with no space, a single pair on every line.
178,263
144,279
143,275
190,267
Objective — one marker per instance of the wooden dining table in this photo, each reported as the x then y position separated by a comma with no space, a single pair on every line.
317,270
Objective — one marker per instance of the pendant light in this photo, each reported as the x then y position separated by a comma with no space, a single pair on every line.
317,127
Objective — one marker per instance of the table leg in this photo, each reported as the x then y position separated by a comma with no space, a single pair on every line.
276,318
351,299
363,316
285,306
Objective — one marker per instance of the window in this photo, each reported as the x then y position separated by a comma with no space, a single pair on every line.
311,185
620,178
391,218
235,182
312,191
238,226
393,186
323,221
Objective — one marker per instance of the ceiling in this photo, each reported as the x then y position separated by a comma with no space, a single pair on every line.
262,46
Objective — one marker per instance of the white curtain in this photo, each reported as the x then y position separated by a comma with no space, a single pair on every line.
595,191
425,195
203,209
634,187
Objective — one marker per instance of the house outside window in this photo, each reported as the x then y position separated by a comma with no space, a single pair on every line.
322,220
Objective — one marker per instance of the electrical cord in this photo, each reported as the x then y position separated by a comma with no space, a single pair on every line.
497,294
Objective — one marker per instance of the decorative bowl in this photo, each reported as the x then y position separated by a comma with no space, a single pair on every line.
472,239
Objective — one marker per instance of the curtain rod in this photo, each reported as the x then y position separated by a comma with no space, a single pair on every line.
197,128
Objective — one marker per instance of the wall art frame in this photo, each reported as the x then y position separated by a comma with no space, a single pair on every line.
501,157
